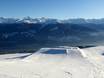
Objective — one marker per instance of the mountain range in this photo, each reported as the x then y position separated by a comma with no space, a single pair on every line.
50,20
43,32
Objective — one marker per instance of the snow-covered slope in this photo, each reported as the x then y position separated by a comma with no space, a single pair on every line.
96,55
17,56
65,63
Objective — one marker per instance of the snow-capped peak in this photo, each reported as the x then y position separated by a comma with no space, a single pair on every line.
44,20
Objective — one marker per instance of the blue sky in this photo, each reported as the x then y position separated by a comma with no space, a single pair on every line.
61,9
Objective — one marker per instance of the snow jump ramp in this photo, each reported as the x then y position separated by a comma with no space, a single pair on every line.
56,54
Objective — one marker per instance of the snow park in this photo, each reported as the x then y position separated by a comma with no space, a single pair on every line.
51,38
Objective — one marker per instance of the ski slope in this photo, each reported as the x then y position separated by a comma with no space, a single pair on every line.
62,63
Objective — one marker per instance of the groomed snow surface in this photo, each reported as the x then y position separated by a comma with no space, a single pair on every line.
70,62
